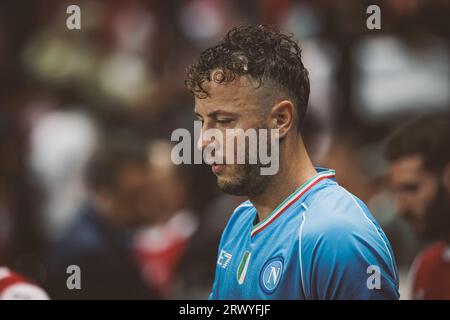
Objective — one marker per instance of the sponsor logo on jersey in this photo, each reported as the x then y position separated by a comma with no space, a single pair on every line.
224,259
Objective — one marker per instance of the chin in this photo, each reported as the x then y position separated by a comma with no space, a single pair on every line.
231,187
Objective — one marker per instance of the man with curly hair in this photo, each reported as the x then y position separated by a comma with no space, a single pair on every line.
300,235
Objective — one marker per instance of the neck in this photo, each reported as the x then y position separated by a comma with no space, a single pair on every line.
295,169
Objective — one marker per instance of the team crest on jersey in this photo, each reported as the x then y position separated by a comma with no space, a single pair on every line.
271,274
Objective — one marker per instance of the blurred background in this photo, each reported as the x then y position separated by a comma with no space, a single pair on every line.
86,117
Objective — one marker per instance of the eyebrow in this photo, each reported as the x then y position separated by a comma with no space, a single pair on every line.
216,113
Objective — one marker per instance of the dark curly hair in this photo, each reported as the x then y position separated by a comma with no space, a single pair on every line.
262,53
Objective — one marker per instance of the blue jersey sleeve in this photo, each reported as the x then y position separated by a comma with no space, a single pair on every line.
215,291
345,255
214,295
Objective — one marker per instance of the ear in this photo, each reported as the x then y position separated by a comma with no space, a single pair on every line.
446,178
282,117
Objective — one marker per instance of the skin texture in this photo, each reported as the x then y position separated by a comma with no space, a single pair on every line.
242,104
422,197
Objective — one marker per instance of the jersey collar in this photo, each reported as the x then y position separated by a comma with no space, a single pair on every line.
322,173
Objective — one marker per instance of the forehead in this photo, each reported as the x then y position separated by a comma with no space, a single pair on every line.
239,95
407,168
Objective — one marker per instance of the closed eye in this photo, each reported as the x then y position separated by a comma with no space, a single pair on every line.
224,121
409,187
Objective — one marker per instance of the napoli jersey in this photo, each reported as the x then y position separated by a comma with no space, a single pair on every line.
319,243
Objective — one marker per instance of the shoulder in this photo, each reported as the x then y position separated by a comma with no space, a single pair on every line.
333,211
242,207
83,239
241,212
426,267
433,252
14,286
338,221
429,258
339,237
82,232
241,215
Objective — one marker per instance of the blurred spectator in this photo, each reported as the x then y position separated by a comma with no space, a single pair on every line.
13,286
99,240
196,274
61,144
420,176
160,247
399,83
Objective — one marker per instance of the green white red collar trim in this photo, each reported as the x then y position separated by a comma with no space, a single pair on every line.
297,194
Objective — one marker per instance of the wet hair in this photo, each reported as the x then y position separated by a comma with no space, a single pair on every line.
263,54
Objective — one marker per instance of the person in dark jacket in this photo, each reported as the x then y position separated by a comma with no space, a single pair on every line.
94,259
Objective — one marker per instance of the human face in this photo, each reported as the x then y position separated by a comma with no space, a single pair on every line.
233,105
133,199
415,189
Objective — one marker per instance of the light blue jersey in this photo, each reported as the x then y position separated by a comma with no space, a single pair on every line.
319,243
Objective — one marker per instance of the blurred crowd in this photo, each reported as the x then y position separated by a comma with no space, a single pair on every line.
86,116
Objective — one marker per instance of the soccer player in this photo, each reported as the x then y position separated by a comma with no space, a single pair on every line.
419,157
300,235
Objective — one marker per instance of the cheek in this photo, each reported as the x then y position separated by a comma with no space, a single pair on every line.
230,146
427,193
